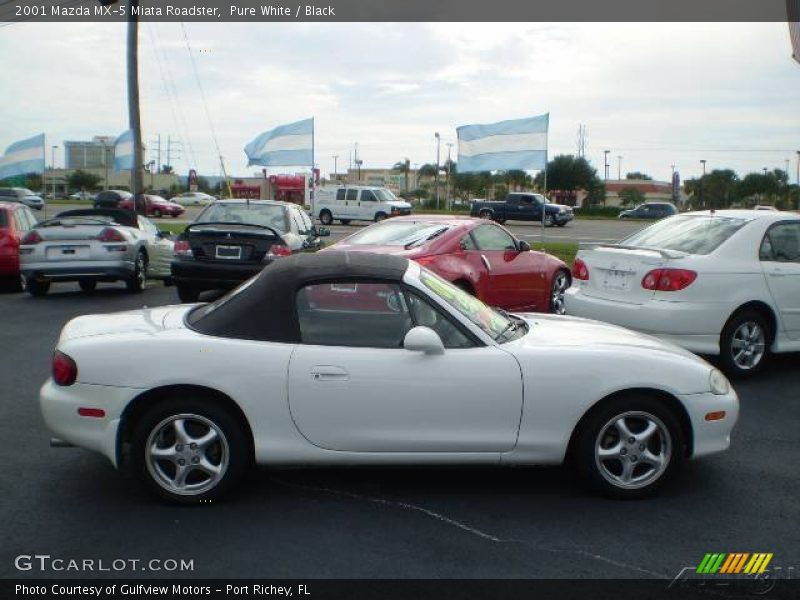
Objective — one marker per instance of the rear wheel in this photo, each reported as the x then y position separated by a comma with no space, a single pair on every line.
157,213
36,287
344,221
380,217
188,450
87,285
629,446
561,282
138,281
325,217
187,295
744,343
562,224
485,214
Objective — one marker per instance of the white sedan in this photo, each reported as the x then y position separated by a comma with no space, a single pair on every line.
721,283
354,358
193,199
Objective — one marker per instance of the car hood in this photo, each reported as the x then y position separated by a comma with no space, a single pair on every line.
143,321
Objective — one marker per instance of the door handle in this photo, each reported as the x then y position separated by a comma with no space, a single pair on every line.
329,373
486,262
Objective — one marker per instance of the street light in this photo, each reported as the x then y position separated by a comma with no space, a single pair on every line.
449,175
605,162
619,168
436,177
53,168
335,174
702,201
798,168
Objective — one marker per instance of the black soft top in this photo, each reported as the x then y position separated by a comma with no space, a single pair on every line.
266,308
117,215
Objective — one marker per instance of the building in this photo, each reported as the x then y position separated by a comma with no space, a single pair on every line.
94,154
389,178
108,179
654,191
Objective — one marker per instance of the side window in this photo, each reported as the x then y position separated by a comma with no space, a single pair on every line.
491,237
299,223
308,225
352,194
147,226
356,314
340,193
467,243
30,218
426,315
368,196
781,243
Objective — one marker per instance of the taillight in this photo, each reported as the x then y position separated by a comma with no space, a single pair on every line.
668,280
182,248
65,371
580,270
278,250
424,260
109,234
31,238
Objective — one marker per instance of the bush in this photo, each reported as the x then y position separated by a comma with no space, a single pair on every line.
611,212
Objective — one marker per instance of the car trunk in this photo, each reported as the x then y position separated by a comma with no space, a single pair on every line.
230,243
70,242
616,273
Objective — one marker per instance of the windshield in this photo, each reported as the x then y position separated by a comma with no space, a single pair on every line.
385,195
268,215
397,233
693,234
493,323
27,192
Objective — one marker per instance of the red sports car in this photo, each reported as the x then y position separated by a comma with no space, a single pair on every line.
15,221
479,256
156,206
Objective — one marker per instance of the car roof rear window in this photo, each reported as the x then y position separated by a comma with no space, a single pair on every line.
3,218
692,234
398,233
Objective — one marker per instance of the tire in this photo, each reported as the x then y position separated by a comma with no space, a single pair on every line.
344,221
36,288
325,217
560,284
485,214
744,344
380,217
561,224
220,461
157,214
138,281
548,221
87,285
598,430
464,286
187,295
14,284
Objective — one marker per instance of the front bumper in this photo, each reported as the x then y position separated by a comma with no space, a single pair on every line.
212,275
563,218
711,437
74,270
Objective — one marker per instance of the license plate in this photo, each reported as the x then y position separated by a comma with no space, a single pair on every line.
229,252
617,280
66,252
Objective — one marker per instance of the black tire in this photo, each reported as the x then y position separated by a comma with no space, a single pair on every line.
380,217
548,221
344,221
36,288
230,451
137,282
465,286
561,224
325,217
731,336
157,214
561,278
187,295
486,214
633,408
87,285
13,284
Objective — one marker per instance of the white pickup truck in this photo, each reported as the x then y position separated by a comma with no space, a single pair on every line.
357,203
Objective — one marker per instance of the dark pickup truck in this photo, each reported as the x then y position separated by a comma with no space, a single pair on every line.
522,206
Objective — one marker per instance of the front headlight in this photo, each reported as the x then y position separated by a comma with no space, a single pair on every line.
719,383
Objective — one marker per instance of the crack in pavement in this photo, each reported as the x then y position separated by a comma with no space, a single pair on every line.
467,528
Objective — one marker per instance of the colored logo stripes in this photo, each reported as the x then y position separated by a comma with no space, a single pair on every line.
737,562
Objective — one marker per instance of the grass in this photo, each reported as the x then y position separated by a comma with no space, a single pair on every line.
171,226
566,251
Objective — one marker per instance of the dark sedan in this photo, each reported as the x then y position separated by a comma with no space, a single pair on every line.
232,240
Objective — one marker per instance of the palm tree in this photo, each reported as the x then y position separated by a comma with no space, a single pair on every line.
404,167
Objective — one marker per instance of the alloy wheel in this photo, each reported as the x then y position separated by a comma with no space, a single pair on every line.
748,345
560,285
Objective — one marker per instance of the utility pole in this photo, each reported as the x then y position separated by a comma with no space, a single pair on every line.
619,168
53,169
134,119
335,174
605,162
702,200
798,169
105,165
449,175
436,177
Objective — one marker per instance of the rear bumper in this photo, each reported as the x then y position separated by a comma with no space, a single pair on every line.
9,266
692,325
212,275
74,270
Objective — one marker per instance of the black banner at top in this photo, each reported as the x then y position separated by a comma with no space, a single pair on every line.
397,11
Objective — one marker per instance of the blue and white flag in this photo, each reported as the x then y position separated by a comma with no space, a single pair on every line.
23,157
520,144
287,145
123,151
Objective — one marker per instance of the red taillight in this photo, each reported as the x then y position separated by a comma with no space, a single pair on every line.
424,260
65,371
31,238
109,234
277,250
580,270
668,280
182,248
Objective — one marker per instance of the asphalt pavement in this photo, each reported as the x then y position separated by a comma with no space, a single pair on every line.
384,522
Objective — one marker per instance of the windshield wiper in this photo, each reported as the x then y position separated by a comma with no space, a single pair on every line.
436,233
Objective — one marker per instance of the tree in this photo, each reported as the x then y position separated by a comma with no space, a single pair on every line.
427,170
758,187
167,169
404,167
83,180
631,196
638,175
567,173
717,189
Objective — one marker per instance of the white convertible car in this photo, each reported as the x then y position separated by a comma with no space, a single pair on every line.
347,358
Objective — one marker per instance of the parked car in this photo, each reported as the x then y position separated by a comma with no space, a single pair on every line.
482,258
193,199
721,283
357,203
413,370
154,206
764,207
15,221
520,206
232,240
92,245
83,196
110,198
650,210
23,196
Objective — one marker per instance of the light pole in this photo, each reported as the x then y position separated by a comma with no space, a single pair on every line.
798,169
449,174
53,168
765,171
335,174
605,163
105,164
619,168
436,177
702,200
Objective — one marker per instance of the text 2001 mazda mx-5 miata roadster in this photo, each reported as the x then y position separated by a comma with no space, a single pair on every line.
353,358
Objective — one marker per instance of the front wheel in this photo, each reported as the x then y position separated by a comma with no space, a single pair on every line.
35,287
325,217
380,217
157,214
744,344
87,285
344,221
548,221
561,283
485,214
138,281
629,446
188,450
188,295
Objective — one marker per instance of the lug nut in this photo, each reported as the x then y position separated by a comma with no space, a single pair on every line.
195,459
179,447
631,440
633,458
641,447
181,462
193,446
624,451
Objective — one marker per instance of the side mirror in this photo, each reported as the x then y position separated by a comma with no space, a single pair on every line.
523,246
323,231
423,339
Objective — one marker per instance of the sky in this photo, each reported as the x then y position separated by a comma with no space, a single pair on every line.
655,94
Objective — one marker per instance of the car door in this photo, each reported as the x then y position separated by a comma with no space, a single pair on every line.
513,279
780,261
353,387
367,205
159,249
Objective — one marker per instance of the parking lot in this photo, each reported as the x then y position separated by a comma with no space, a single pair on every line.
381,522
